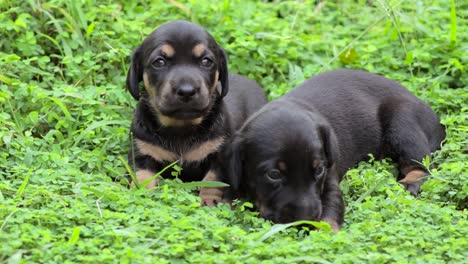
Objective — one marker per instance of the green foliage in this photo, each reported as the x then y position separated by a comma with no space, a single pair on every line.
64,119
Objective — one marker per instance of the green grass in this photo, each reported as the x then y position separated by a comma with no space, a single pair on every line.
65,116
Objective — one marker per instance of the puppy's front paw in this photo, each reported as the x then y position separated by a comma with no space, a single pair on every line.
211,196
143,175
413,181
335,227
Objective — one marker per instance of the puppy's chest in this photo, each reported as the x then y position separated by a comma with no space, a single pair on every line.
186,154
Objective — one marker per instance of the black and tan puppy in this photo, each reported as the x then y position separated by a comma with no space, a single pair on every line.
184,111
291,155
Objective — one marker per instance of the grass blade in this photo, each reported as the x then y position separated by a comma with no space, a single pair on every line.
6,80
453,24
194,184
280,227
389,9
146,182
100,193
75,236
130,171
6,219
62,107
15,258
21,189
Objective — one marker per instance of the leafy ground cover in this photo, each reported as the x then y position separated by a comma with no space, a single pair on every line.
64,119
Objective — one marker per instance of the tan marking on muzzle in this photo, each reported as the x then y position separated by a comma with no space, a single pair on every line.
198,50
148,87
143,175
413,176
215,84
264,210
211,196
156,152
172,122
201,151
167,50
151,92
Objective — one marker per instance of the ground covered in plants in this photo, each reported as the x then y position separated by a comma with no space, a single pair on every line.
65,115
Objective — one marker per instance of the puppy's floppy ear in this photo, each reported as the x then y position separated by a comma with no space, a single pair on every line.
232,160
135,74
223,72
330,144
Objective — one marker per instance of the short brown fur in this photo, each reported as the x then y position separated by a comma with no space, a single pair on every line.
198,50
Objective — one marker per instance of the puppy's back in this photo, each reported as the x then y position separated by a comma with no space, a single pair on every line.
354,101
339,93
350,84
244,98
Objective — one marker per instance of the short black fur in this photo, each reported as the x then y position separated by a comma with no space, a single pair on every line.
319,130
184,110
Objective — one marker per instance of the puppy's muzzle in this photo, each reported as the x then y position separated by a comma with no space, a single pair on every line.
185,100
295,212
186,92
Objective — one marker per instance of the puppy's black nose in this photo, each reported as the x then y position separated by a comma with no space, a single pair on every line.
186,91
295,212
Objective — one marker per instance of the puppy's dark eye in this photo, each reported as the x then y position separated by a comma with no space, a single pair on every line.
206,62
320,171
274,176
159,63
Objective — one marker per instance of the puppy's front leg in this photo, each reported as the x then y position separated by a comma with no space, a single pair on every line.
145,168
211,196
143,175
332,202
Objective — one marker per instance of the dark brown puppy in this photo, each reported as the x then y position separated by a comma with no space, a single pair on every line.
291,155
181,114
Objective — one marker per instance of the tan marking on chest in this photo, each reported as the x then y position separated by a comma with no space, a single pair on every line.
196,153
156,152
201,151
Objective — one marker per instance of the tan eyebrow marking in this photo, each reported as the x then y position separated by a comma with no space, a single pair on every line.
198,50
167,50
282,166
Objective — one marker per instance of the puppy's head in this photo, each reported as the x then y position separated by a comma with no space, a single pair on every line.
282,158
181,66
